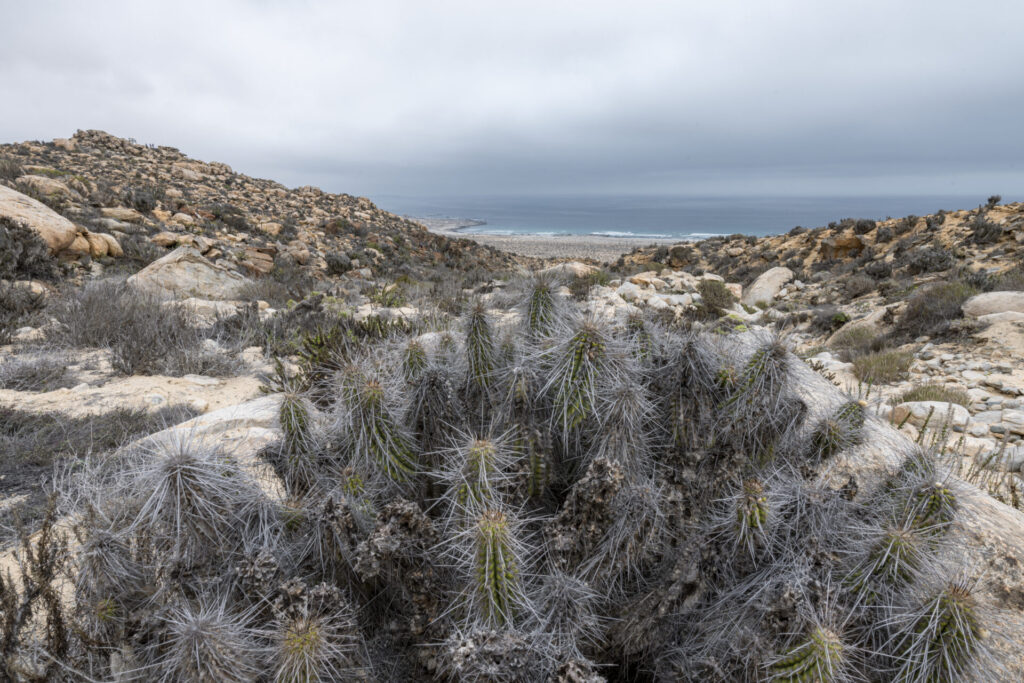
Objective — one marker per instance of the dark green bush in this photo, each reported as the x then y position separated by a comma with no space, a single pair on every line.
715,295
23,253
931,310
929,260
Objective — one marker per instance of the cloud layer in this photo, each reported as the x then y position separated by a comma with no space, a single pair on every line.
459,97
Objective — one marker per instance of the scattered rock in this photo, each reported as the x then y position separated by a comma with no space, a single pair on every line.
993,302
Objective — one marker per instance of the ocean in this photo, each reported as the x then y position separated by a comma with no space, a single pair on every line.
678,218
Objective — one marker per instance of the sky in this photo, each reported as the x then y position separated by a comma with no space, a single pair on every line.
464,98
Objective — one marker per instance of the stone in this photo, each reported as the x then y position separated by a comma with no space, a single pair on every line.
182,219
256,262
629,291
271,228
767,286
993,302
1002,317
184,271
917,413
570,269
736,289
840,246
46,186
649,279
58,232
122,213
1013,420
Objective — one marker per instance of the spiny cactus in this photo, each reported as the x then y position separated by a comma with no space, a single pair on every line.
414,360
579,363
204,642
540,307
944,640
315,636
497,590
838,432
751,516
370,433
820,657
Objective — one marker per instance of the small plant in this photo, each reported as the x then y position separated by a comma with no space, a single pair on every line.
882,367
934,391
931,310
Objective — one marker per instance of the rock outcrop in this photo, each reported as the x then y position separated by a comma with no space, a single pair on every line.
184,272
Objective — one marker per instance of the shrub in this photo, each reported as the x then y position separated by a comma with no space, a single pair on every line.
984,231
36,372
1011,280
992,201
10,169
879,270
579,287
337,263
858,285
715,295
862,226
929,260
934,391
883,235
144,335
17,304
282,285
932,309
23,253
856,340
882,367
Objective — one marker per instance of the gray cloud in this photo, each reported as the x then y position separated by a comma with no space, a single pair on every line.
456,97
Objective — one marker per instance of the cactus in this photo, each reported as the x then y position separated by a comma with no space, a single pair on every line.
751,516
838,432
821,657
414,360
579,363
540,309
943,642
933,505
497,588
369,429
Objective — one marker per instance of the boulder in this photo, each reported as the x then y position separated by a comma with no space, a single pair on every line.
121,213
993,302
767,286
58,232
840,246
185,272
570,269
46,186
935,413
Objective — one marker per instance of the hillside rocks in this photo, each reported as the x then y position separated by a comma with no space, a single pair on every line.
767,286
58,232
184,272
991,303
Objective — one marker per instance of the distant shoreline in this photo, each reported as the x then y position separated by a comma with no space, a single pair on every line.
599,248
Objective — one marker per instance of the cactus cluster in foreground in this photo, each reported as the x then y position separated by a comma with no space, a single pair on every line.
556,498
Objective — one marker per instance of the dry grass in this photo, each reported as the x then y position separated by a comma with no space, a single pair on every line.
882,367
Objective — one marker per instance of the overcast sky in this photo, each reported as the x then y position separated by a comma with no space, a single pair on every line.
422,97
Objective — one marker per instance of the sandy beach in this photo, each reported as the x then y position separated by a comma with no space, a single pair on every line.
603,249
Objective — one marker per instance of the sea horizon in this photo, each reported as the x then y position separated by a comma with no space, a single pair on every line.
660,217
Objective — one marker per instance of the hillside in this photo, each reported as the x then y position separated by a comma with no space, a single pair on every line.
143,194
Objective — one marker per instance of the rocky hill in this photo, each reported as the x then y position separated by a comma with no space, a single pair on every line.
142,196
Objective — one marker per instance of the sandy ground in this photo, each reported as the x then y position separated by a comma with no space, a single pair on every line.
603,249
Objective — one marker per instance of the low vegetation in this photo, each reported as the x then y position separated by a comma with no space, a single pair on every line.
882,367
936,392
559,498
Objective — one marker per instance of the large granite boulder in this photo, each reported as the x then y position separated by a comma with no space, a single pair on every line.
993,302
184,272
767,286
58,232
